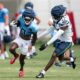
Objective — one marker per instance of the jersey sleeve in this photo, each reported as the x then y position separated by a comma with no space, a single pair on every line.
21,11
34,28
6,12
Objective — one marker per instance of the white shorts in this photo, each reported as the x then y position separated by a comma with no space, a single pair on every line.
23,45
2,29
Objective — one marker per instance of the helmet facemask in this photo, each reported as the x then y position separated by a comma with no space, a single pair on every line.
28,20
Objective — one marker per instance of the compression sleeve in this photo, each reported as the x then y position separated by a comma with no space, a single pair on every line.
55,37
34,38
45,32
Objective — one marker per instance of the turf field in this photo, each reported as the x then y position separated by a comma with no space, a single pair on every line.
35,65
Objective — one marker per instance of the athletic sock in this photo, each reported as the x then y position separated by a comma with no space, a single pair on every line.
43,71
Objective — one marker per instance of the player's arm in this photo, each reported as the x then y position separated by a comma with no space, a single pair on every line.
55,37
34,38
46,32
50,22
33,41
7,19
37,19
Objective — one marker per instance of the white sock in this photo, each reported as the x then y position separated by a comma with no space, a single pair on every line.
43,71
2,56
6,54
71,59
28,55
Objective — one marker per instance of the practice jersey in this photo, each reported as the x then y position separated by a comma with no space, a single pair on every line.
27,30
3,13
67,35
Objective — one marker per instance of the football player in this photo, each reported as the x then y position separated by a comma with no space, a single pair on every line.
63,26
24,42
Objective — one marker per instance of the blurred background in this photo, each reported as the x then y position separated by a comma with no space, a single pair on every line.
43,7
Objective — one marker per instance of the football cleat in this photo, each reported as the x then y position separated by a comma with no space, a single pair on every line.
12,61
21,73
57,64
73,65
40,75
34,54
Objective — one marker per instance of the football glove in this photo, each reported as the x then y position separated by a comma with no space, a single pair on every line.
43,46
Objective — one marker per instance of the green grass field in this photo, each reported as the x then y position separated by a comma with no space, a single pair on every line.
35,65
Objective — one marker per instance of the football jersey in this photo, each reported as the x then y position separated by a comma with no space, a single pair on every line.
67,35
3,13
27,30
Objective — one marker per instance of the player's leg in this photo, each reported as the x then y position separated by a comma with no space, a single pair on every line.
12,50
59,51
7,39
34,51
55,44
50,63
57,63
70,58
65,48
24,51
56,53
2,56
21,60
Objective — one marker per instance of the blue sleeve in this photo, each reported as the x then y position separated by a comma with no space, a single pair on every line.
19,21
6,12
21,11
34,28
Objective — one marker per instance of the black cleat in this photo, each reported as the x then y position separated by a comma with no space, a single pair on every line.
40,75
57,64
34,54
73,65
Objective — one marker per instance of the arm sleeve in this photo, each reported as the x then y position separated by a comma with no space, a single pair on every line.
34,38
55,37
45,32
6,12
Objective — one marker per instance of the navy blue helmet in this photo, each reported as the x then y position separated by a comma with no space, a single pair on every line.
28,4
58,11
28,14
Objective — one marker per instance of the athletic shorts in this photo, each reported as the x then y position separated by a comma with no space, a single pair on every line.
61,48
22,44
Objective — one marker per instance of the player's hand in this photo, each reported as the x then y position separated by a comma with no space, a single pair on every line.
42,47
13,23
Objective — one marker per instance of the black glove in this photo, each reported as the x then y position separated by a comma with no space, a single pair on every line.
42,47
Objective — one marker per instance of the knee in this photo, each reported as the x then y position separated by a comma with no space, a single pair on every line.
54,55
11,50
